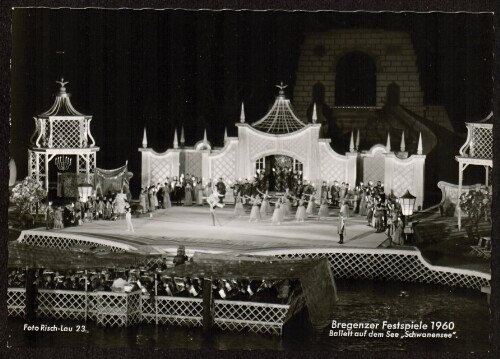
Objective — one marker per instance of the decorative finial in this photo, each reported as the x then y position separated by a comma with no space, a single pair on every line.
205,137
351,144
225,134
357,141
419,146
388,145
183,139
282,88
315,115
403,145
176,143
242,114
144,139
62,83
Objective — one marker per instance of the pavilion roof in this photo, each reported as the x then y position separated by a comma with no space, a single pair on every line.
62,104
281,118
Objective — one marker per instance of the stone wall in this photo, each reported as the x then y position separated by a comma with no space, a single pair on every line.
392,53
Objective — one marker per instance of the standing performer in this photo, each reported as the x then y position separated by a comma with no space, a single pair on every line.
255,213
265,207
323,209
300,215
221,189
277,213
213,201
199,193
341,229
142,201
128,217
167,189
311,206
238,207
344,209
188,199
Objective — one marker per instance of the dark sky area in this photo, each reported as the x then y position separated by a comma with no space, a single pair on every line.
164,69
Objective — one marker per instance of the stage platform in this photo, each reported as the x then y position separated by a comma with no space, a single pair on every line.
192,227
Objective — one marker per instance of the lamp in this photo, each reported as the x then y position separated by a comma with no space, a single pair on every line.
85,190
62,162
407,202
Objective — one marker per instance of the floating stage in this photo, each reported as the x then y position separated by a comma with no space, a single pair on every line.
192,227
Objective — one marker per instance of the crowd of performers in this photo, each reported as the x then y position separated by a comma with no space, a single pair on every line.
152,283
302,201
109,207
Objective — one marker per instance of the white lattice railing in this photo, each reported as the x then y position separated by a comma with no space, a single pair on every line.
16,302
254,317
405,265
62,304
479,143
62,240
173,311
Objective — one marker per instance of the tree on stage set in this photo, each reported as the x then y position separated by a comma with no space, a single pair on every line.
327,188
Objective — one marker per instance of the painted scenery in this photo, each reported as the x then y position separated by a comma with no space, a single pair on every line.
250,180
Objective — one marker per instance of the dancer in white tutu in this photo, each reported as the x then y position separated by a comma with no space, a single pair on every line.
323,209
300,215
311,206
255,213
238,207
265,207
277,219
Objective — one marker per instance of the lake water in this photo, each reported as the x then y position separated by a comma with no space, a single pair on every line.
359,301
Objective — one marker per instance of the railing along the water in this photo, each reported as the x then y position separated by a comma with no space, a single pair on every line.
406,265
125,309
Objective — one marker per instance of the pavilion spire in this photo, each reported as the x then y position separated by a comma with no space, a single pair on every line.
242,114
419,146
225,134
176,142
357,141
315,114
205,137
351,144
388,145
402,147
183,139
144,139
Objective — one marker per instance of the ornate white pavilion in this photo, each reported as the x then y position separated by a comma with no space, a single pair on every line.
62,137
281,134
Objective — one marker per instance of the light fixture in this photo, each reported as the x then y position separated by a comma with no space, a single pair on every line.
407,202
63,162
85,191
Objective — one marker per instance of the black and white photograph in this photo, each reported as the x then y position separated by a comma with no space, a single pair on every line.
250,180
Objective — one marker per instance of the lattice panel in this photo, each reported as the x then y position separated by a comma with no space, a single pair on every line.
482,142
32,164
180,311
386,266
111,309
332,169
82,164
66,133
374,168
84,137
258,145
41,167
160,168
297,145
256,317
91,163
224,166
193,164
402,178
58,304
134,308
51,241
16,302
